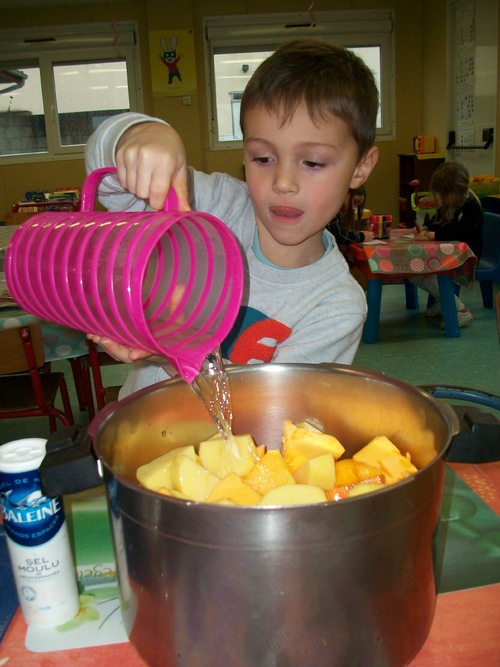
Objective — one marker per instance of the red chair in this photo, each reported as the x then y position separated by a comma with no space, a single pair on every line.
27,386
95,361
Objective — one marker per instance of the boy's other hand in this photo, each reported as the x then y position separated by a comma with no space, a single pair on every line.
127,355
150,158
122,353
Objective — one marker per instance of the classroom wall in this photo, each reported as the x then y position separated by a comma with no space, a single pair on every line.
383,186
19,178
420,81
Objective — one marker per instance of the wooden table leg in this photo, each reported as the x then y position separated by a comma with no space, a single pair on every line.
448,307
374,300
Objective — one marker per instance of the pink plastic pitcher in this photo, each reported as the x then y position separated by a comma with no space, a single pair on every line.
114,274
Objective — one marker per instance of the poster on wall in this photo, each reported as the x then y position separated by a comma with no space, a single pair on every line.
173,71
465,73
474,51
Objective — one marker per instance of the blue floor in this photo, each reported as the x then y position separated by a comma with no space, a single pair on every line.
413,348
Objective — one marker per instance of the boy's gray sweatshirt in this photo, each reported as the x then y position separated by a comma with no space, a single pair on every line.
311,314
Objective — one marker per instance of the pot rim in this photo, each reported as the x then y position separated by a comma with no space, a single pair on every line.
108,411
451,418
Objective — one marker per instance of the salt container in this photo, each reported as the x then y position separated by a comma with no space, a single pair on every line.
37,537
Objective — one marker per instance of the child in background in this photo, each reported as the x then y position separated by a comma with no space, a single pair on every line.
458,218
346,227
351,213
308,117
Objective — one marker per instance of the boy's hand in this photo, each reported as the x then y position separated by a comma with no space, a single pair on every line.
128,355
120,352
150,158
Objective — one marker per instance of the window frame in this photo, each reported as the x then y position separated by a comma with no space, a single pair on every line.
47,46
353,28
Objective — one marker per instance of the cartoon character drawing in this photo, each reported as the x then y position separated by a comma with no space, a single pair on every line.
170,58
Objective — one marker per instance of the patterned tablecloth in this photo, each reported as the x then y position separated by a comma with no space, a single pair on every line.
403,256
60,342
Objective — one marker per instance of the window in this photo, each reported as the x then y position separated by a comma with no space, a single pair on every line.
236,45
58,84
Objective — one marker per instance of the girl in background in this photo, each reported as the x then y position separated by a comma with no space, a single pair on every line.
458,218
346,227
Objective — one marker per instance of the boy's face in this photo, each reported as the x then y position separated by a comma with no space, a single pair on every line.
298,175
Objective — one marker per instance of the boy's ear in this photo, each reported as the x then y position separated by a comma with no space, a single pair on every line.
364,168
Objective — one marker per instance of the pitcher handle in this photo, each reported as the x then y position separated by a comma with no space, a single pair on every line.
89,191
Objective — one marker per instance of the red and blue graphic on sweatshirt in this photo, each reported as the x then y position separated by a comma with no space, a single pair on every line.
254,337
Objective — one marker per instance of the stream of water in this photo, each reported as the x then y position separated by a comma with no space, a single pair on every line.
212,388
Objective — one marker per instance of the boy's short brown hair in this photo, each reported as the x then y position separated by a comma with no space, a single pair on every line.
332,81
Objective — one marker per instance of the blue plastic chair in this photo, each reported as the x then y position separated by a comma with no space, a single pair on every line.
488,268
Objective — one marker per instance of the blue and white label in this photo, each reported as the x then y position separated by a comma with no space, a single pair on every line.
29,517
37,537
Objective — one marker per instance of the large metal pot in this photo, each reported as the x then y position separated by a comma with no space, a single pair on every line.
329,585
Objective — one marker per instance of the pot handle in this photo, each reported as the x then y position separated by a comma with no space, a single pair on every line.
477,438
452,417
69,464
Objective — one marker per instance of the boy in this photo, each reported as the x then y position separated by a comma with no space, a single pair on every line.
308,118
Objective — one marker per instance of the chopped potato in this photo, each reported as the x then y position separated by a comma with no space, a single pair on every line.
232,488
156,474
271,471
310,442
364,487
307,469
382,453
319,471
351,471
295,494
192,479
221,457
293,456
